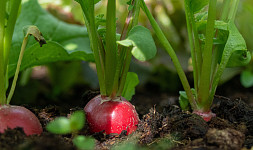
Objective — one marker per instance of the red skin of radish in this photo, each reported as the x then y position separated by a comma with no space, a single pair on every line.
111,116
207,116
17,116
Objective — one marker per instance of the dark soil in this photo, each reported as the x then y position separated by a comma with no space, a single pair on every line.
163,125
170,128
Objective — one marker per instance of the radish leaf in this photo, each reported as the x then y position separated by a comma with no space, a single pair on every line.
63,125
143,44
235,51
60,125
239,58
184,101
131,82
247,79
197,5
64,41
84,143
77,120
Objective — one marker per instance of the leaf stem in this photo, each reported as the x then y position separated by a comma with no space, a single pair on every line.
172,54
94,40
29,30
204,87
190,37
9,30
233,11
111,48
197,50
225,10
17,69
194,44
224,61
224,17
125,53
2,34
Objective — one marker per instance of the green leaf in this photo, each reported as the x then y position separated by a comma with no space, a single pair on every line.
247,78
231,41
100,20
51,52
201,25
131,82
235,51
77,120
80,1
63,125
35,32
126,43
143,44
96,1
184,101
197,5
60,125
239,58
84,143
64,41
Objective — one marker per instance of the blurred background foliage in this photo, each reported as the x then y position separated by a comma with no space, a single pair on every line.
159,73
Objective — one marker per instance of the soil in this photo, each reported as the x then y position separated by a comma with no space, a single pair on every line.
163,125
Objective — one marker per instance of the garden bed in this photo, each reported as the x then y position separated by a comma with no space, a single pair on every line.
163,126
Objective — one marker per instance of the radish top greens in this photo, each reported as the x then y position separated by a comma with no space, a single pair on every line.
112,57
215,44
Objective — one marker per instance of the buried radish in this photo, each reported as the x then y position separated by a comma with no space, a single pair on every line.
17,116
14,116
110,112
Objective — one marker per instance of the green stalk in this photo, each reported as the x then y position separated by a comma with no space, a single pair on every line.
13,86
124,72
126,55
224,61
2,34
224,17
111,48
89,18
233,11
197,49
190,37
172,54
30,30
194,44
9,30
204,87
225,10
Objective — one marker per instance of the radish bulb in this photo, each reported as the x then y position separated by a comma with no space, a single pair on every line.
207,116
111,116
17,116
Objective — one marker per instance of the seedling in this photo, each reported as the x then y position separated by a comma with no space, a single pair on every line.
112,58
14,116
215,44
63,125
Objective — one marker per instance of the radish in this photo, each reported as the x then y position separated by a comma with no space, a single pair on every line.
110,112
17,116
111,116
207,116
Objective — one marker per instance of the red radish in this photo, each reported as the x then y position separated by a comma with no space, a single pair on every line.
207,116
112,116
17,116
